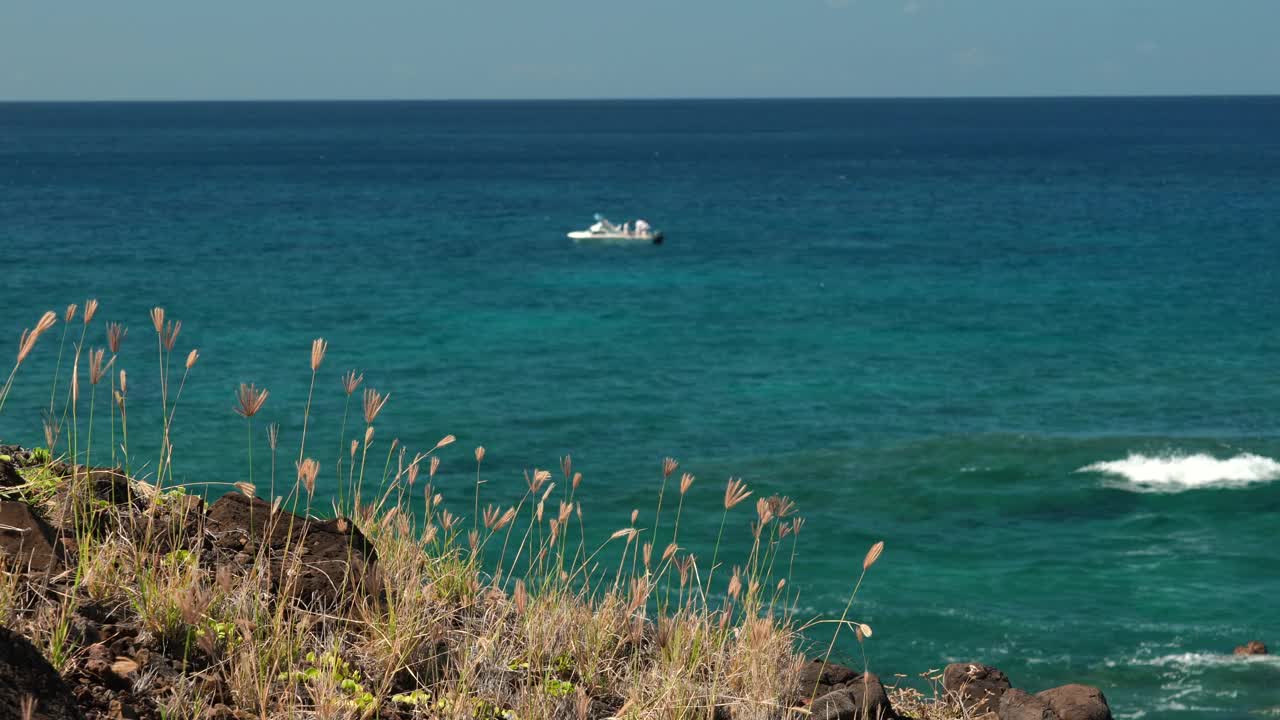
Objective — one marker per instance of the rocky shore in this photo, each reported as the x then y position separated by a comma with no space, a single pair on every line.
98,656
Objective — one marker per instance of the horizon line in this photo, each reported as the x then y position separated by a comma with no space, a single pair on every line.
655,98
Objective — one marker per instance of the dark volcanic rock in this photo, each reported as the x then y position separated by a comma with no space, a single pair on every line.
98,664
1077,702
333,553
9,476
1253,647
1018,705
110,485
826,677
24,672
26,540
977,686
844,694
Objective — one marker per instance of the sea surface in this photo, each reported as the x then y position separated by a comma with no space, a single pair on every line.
1033,345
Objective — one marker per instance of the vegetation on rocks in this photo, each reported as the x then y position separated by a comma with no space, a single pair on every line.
124,595
153,604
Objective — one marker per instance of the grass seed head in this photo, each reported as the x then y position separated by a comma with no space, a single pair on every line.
764,511
506,519
782,506
536,481
115,333
157,319
250,399
373,404
669,466
27,343
480,454
308,469
735,492
224,579
521,597
51,430
97,370
192,357
70,314
872,555
90,309
170,335
318,348
351,381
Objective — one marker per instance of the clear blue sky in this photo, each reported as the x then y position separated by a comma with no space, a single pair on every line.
290,49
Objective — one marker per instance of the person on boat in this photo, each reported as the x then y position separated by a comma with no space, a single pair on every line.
642,227
626,228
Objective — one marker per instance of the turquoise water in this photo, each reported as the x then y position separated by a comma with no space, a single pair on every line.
920,319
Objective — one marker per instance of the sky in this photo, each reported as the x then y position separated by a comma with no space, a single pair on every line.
518,49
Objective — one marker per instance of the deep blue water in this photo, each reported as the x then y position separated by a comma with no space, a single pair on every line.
920,319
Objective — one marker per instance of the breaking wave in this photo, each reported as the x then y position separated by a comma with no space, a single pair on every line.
1179,473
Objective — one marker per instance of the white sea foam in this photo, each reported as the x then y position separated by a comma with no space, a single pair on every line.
1192,661
1179,473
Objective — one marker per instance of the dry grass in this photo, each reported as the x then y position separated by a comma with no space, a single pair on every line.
514,612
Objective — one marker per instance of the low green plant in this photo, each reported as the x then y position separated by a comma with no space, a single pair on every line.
557,688
414,698
331,666
40,484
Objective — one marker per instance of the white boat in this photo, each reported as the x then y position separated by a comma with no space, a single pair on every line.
605,231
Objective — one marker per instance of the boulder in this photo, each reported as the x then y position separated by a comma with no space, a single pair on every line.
334,555
1077,702
1019,705
1253,647
978,687
24,673
825,677
26,541
844,694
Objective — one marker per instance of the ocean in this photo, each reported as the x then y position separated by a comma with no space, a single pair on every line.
1030,344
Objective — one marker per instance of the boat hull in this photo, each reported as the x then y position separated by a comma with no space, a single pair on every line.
618,238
